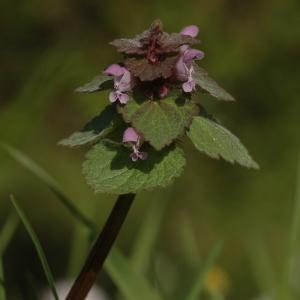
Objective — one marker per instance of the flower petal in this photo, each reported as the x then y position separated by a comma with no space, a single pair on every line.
181,70
114,70
189,86
143,155
191,54
191,30
134,156
130,135
113,97
123,98
124,83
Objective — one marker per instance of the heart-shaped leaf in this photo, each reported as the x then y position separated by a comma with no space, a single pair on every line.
216,141
160,122
97,128
109,169
99,83
209,85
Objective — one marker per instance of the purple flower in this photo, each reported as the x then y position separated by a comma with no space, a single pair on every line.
132,138
190,84
191,30
122,83
184,65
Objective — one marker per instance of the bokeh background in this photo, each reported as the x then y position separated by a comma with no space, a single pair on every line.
252,49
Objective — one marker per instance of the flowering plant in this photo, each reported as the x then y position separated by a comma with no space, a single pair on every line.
154,100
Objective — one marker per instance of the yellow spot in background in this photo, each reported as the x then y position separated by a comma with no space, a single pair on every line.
217,281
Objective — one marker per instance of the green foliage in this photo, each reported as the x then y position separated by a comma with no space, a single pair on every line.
47,179
37,246
108,168
209,85
290,259
131,284
2,281
160,122
94,130
216,141
197,285
147,236
100,82
6,235
7,232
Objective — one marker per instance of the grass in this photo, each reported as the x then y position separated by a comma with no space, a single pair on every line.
38,247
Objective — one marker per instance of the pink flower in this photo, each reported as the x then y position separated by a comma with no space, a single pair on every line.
122,83
191,30
184,65
132,138
190,84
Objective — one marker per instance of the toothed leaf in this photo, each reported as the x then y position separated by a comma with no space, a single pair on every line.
160,122
147,71
100,82
209,85
94,130
216,141
109,169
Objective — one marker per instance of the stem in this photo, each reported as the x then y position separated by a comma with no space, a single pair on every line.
101,248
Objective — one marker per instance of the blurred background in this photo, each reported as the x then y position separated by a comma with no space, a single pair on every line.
252,48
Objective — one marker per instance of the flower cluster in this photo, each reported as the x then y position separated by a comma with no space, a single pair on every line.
155,62
155,100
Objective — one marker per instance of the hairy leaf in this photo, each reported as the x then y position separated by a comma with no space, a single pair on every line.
172,42
129,46
209,85
163,42
216,141
147,71
109,169
100,82
94,130
160,122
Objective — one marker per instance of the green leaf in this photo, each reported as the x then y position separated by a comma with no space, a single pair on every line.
197,285
100,82
131,284
209,85
160,122
37,246
216,141
50,182
2,281
7,232
109,169
96,129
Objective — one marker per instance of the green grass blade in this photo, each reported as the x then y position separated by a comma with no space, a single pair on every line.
188,241
6,235
131,285
2,287
38,247
8,231
147,236
47,179
129,282
261,264
80,245
293,245
197,285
